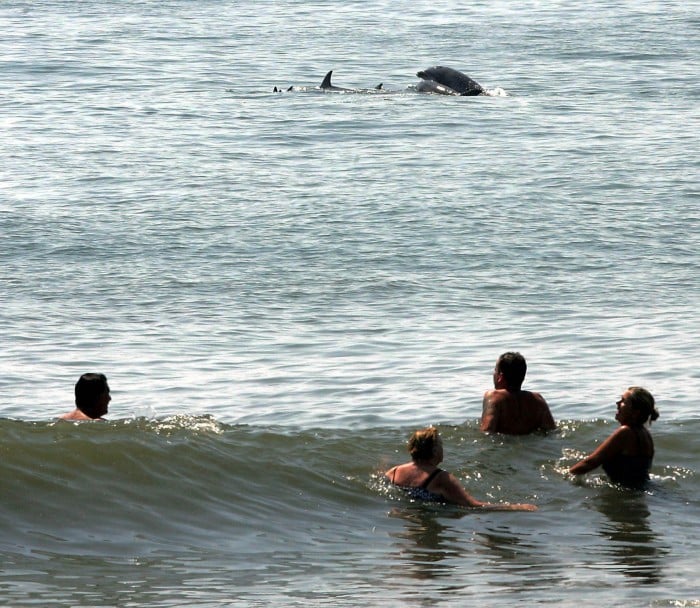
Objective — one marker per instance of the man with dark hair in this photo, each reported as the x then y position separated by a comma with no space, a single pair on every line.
507,408
91,398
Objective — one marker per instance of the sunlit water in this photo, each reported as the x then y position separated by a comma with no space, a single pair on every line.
281,286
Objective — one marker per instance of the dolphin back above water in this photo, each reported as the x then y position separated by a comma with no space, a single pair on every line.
326,85
432,86
447,81
438,79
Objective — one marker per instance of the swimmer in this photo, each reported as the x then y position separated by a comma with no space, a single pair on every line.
509,410
627,454
91,398
421,478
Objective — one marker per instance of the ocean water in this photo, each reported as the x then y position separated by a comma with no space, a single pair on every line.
190,511
282,286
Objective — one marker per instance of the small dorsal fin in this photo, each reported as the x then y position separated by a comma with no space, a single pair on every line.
276,90
379,86
291,88
326,84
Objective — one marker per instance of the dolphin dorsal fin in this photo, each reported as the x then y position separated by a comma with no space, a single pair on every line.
326,84
380,86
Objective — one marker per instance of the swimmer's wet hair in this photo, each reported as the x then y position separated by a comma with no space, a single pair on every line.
641,399
423,443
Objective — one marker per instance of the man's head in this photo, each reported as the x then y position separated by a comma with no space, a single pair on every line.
92,395
511,368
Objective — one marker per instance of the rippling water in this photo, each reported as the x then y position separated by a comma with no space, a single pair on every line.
190,510
299,279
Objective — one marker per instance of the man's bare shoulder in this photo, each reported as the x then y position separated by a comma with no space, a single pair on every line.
516,413
540,408
534,398
76,415
496,395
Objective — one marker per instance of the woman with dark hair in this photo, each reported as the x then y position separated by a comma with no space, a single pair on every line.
421,478
626,455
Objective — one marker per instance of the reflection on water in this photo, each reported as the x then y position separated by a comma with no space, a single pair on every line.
518,558
504,544
633,545
426,546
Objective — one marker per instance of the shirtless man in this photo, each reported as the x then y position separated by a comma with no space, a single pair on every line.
91,398
507,408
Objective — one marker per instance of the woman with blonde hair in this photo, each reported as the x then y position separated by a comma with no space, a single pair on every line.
421,478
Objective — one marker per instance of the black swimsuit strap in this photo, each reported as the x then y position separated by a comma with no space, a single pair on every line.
430,477
641,443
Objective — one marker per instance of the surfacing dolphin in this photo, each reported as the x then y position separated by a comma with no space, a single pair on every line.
447,81
439,79
431,86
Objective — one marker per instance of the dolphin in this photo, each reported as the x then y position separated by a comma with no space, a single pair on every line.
454,82
431,86
327,86
438,79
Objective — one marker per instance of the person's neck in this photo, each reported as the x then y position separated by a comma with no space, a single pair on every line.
425,464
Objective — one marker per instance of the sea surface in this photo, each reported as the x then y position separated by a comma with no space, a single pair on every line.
282,286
